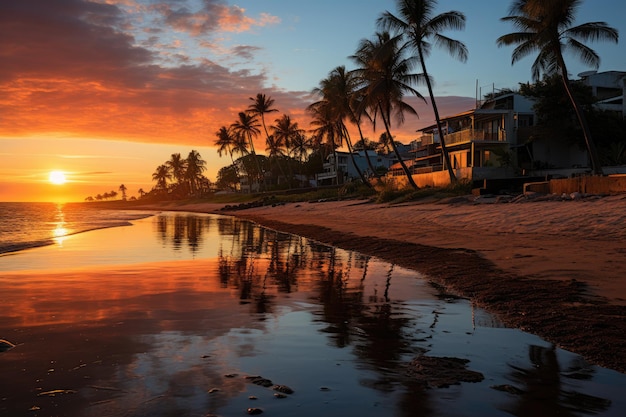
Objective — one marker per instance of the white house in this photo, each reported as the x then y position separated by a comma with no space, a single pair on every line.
340,168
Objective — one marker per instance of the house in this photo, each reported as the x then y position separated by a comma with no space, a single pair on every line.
494,140
486,142
609,88
340,168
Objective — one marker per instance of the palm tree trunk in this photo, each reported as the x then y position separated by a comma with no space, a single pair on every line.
591,147
367,156
395,149
258,166
346,135
444,150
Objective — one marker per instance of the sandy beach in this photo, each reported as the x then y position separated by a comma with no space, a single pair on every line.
553,268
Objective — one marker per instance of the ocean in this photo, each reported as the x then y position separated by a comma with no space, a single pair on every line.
30,225
194,314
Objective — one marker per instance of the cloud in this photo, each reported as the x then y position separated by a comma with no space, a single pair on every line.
74,67
214,15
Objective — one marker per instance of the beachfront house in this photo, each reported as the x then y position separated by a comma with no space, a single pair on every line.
495,141
486,142
339,167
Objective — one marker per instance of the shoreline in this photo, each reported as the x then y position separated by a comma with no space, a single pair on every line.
553,269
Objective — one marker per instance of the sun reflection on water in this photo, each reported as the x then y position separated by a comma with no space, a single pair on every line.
60,231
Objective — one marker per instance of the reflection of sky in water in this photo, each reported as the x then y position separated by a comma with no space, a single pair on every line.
154,339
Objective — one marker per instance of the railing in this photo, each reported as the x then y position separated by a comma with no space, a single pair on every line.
467,135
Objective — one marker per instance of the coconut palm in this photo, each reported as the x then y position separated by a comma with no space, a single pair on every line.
545,27
416,21
300,147
337,91
284,131
261,104
247,126
325,130
177,165
386,76
193,172
161,175
227,143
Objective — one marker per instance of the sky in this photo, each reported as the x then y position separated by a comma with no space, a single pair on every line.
107,90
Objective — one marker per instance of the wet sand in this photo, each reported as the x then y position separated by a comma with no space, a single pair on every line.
552,268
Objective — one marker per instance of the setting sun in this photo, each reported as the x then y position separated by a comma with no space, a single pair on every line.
57,177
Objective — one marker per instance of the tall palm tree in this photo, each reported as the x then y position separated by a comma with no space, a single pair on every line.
338,92
161,175
177,165
545,27
247,126
193,173
386,76
416,21
226,143
261,104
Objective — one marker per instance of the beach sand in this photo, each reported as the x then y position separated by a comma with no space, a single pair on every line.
552,268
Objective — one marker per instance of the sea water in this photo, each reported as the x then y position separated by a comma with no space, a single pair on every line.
170,313
29,225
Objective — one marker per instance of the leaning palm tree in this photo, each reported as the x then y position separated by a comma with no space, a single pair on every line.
416,21
247,126
337,92
225,143
545,27
260,106
386,76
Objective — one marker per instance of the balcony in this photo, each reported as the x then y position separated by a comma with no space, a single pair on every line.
467,136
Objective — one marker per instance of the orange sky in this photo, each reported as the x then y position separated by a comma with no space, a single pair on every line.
107,90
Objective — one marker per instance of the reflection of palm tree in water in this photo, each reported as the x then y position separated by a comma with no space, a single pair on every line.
543,393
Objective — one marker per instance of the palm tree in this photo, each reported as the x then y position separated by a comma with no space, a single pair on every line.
325,130
247,127
284,131
545,27
386,76
423,30
177,165
337,92
195,167
123,189
161,175
259,107
300,147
